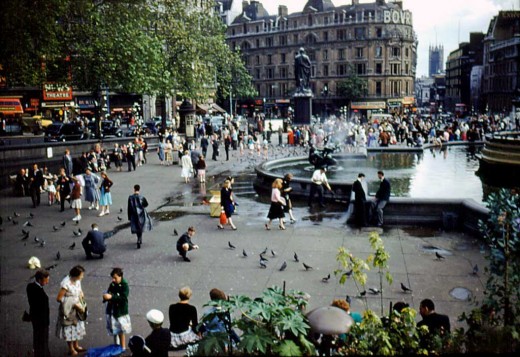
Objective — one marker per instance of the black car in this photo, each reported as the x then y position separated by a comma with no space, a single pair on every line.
63,132
108,128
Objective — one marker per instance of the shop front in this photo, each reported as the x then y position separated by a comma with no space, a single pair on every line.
366,109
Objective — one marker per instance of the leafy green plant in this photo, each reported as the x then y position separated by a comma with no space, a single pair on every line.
272,324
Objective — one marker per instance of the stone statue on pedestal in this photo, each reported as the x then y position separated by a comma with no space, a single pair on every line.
302,71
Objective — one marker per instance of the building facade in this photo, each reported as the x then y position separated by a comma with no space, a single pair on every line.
501,77
458,74
374,40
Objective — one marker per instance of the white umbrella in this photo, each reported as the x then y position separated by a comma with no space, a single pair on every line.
329,320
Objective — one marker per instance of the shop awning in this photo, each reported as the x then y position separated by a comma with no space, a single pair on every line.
217,108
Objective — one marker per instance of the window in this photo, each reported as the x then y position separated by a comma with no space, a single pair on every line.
341,54
257,61
269,73
269,42
379,87
341,69
406,69
283,72
379,68
246,60
244,29
325,36
295,24
312,56
233,32
310,39
282,57
257,43
379,52
295,38
325,55
325,70
396,51
396,68
359,33
257,28
257,73
283,40
406,53
359,52
309,20
326,20
360,68
379,32
341,35
269,59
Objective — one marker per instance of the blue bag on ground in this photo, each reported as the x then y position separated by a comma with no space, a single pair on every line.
108,351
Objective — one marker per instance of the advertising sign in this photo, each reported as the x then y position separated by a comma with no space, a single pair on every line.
57,91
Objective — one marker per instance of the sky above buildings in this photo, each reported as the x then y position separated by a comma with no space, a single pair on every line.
441,22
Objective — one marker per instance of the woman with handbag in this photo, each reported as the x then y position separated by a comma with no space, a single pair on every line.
228,205
72,311
277,205
118,319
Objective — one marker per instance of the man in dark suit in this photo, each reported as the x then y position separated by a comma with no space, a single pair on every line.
360,201
35,184
67,163
39,312
94,243
437,323
381,199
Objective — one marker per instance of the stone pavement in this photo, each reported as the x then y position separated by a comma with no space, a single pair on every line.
155,272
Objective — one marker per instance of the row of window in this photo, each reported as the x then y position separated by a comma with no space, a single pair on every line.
395,88
360,17
341,70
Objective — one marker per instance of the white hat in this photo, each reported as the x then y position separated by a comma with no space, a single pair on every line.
34,263
155,316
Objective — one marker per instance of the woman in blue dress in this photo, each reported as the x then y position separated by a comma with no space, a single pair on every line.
105,197
91,190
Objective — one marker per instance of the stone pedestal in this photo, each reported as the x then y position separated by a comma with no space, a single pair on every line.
302,108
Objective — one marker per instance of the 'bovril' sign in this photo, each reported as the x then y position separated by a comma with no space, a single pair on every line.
397,17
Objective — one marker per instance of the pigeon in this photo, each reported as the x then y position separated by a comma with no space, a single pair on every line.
475,270
77,234
63,223
27,224
77,223
348,299
54,228
439,257
307,267
80,231
405,288
42,243
374,291
263,264
119,218
16,214
326,279
37,240
16,222
72,246
31,215
121,210
348,273
264,251
9,218
58,255
262,257
284,266
50,267
273,253
24,231
244,254
363,293
231,246
296,257
25,236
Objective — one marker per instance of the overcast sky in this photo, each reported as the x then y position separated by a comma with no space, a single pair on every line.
443,22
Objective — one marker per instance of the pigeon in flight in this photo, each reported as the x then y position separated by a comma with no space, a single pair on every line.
296,257
231,246
405,288
439,257
307,267
326,279
284,266
72,246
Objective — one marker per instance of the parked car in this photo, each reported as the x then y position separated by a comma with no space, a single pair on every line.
63,132
158,123
35,124
108,128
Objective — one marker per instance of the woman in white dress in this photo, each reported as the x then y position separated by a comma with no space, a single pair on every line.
69,327
187,167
